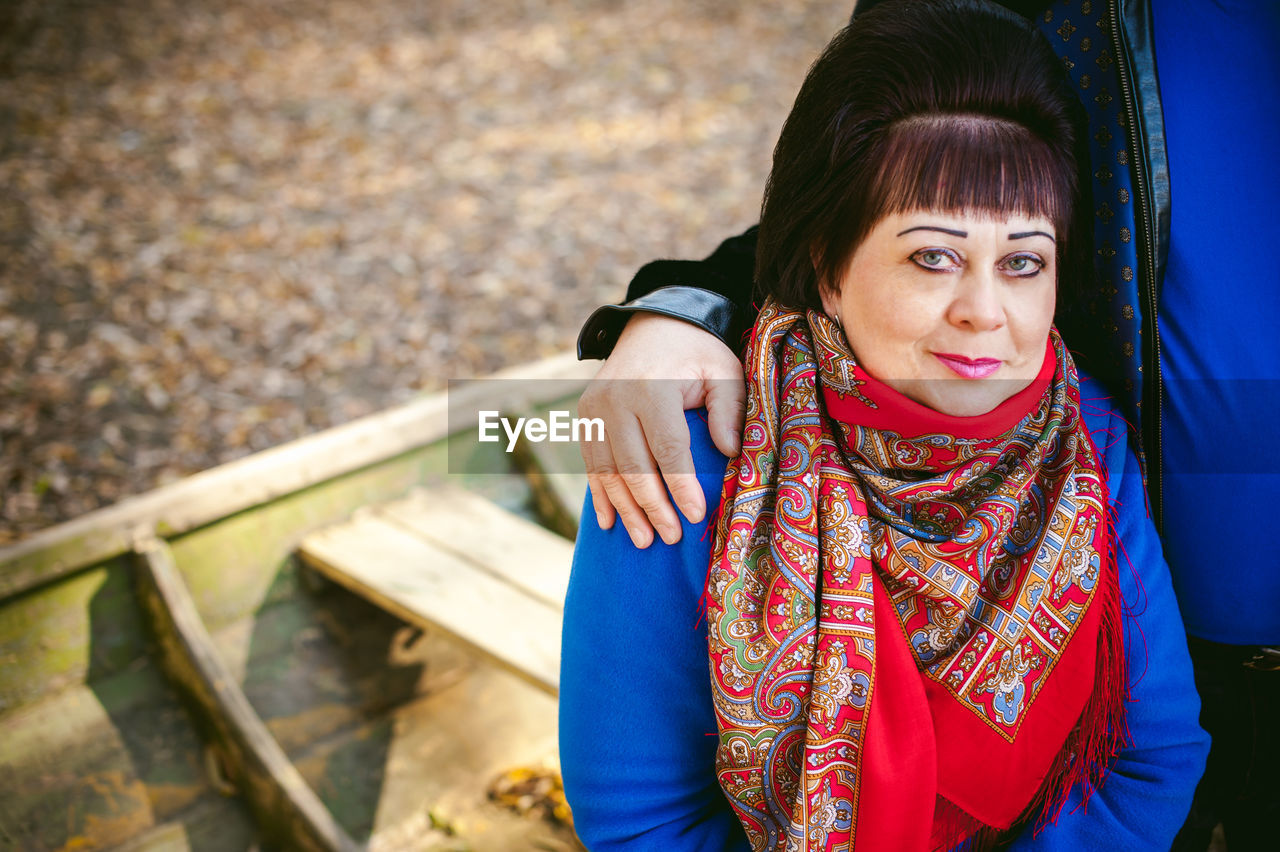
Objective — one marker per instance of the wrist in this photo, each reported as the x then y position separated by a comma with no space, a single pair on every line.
705,309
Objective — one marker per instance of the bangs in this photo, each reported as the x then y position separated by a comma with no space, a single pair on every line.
970,163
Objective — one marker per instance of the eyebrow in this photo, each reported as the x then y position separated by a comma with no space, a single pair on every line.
953,233
1021,235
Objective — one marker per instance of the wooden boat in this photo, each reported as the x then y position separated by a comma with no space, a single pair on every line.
334,644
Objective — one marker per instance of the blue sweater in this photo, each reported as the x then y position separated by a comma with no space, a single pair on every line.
638,734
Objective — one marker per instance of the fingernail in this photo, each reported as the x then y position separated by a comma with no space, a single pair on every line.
602,521
670,535
640,539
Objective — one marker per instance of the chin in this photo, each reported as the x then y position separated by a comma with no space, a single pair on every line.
958,397
966,407
967,398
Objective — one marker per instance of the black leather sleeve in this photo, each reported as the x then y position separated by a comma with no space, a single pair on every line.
713,294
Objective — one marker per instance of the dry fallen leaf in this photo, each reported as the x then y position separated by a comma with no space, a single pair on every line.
226,228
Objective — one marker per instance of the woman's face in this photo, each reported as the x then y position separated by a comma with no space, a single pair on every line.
950,309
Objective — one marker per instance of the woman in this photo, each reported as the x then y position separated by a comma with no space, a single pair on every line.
933,589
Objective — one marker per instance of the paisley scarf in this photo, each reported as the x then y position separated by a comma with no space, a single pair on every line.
914,619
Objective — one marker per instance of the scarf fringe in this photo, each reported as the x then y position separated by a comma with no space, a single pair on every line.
717,530
1103,730
1086,756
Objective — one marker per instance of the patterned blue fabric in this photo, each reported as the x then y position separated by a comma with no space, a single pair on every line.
1079,32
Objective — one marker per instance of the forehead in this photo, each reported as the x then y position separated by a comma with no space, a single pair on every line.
967,219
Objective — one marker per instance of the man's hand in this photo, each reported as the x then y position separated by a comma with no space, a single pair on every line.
659,367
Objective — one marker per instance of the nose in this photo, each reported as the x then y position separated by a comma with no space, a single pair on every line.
976,304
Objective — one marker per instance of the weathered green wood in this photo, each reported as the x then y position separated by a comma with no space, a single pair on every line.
61,634
554,471
558,493
69,616
287,810
242,563
59,558
214,824
322,671
94,765
169,837
379,719
389,725
204,498
473,730
55,633
88,625
264,477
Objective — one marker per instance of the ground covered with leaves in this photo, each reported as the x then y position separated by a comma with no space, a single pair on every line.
226,224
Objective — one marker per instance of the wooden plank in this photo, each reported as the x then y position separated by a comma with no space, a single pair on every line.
266,476
426,584
88,625
288,811
380,718
491,538
236,566
558,492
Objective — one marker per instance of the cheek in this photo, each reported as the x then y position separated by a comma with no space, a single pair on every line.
1036,312
885,321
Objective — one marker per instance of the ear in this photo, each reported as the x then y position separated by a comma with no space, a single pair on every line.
829,295
830,301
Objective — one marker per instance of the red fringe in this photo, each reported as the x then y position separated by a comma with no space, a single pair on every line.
1086,756
713,527
956,829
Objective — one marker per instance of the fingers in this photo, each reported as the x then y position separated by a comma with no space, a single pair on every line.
605,515
726,409
659,367
643,497
621,470
617,493
611,492
667,434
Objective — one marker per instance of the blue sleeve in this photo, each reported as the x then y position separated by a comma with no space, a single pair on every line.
1145,799
637,729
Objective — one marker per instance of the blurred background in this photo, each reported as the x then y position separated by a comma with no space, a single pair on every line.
228,223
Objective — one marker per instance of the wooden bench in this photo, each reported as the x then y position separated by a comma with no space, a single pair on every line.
450,559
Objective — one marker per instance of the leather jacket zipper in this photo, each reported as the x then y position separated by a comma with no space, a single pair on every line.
1153,416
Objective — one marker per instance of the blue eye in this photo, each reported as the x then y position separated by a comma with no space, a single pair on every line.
1023,265
937,260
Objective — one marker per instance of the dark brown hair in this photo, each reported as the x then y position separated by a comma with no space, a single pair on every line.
922,104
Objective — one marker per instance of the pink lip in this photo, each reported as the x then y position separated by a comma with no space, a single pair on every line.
969,368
